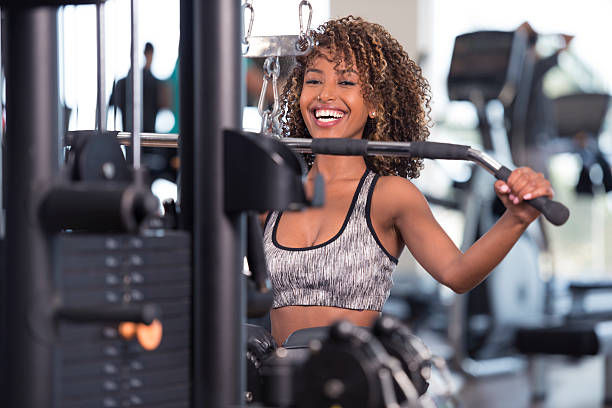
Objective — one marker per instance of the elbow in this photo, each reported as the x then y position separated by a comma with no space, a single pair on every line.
460,290
457,285
461,279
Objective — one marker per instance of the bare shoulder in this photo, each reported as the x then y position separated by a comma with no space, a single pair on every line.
397,188
395,194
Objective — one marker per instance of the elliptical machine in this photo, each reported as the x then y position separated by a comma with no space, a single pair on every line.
486,70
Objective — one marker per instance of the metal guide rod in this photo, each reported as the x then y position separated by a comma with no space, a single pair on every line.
150,139
136,90
2,172
32,93
219,367
101,61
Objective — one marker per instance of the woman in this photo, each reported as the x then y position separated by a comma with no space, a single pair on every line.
336,262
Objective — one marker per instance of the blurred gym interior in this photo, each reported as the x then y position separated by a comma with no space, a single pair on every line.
113,226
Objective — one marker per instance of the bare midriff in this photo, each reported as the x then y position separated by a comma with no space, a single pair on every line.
286,320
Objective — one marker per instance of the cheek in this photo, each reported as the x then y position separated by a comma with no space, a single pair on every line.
303,107
360,108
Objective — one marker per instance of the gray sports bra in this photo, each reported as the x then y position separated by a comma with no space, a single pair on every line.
352,270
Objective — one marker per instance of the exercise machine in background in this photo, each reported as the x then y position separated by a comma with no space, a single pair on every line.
486,70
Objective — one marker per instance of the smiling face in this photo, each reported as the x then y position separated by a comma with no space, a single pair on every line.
331,102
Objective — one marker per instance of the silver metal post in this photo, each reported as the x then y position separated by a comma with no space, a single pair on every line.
136,90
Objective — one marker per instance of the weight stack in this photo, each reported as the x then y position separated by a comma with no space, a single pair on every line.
96,364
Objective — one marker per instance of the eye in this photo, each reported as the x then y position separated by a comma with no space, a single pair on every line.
312,81
347,83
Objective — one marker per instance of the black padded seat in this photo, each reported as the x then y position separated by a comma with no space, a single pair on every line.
579,338
302,337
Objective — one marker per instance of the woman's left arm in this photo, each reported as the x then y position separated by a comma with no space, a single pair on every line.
463,271
523,184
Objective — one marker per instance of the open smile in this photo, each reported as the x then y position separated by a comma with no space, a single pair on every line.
326,117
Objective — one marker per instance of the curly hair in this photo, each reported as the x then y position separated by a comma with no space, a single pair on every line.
390,81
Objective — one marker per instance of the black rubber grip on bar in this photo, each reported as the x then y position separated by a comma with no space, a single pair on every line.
340,147
434,150
553,211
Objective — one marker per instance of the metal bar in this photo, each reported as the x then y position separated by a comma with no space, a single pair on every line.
220,371
296,144
299,145
278,46
136,89
186,184
32,143
374,148
484,160
101,62
2,159
150,139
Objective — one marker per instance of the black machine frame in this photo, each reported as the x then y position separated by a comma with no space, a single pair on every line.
209,31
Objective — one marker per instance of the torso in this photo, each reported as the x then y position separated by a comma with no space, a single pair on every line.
317,226
285,320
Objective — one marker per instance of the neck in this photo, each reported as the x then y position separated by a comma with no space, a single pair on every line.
334,168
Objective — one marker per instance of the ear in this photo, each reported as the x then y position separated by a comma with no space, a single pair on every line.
371,110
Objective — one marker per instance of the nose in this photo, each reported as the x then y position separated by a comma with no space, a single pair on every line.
327,92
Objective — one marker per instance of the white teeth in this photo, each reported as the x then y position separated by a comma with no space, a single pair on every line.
326,115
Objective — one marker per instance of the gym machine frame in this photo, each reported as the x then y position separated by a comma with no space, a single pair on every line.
208,30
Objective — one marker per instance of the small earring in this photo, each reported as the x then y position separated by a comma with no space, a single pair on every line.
319,98
372,114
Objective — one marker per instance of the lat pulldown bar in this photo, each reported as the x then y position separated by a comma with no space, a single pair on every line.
553,211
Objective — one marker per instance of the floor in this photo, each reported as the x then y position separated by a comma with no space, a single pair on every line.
570,384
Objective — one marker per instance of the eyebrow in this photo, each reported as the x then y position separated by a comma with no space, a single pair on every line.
347,71
340,71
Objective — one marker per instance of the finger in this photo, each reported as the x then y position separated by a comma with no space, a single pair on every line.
504,198
504,192
535,183
520,185
501,187
524,182
527,186
517,178
542,191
